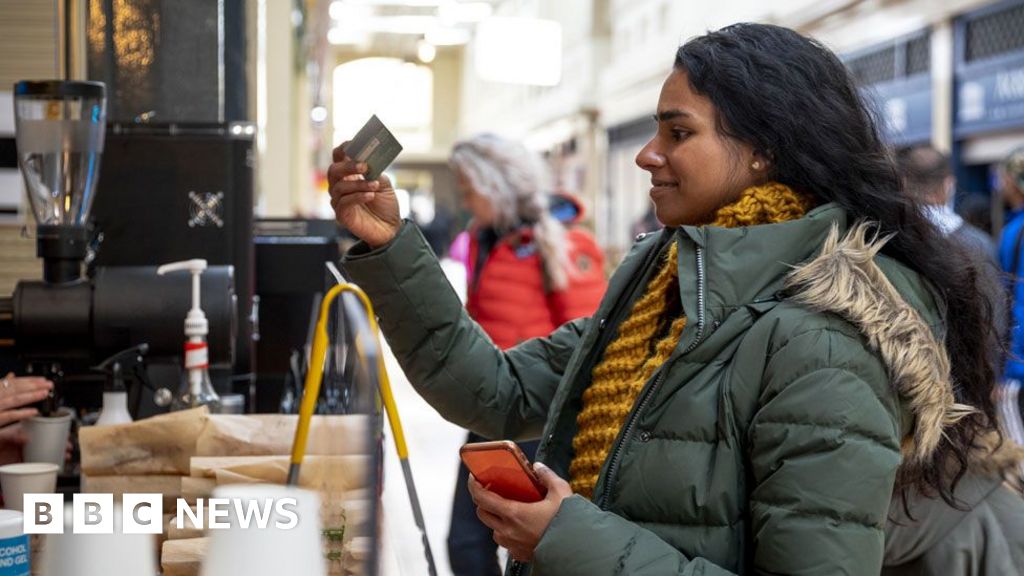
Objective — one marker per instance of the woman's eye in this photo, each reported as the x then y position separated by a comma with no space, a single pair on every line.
680,135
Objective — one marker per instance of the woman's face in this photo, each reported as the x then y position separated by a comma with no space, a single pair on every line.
694,170
476,203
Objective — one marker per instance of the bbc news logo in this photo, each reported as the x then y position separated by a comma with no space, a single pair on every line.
144,513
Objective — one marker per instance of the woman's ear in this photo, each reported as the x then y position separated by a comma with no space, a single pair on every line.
759,162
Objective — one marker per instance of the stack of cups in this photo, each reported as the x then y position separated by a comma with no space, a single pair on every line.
44,459
47,438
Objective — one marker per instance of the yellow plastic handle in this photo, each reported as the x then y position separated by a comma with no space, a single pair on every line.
314,375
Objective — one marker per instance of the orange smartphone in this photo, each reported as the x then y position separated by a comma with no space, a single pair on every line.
503,469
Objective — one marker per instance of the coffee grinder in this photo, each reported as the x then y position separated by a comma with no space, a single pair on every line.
59,130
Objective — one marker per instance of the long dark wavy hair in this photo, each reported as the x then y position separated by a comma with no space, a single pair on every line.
796,103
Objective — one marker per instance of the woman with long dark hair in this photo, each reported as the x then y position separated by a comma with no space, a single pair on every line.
793,349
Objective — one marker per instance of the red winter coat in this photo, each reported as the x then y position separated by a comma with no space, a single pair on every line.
507,296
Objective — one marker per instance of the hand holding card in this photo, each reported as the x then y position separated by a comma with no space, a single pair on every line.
364,201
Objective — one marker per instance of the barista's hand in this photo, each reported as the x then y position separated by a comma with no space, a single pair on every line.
519,526
16,392
369,209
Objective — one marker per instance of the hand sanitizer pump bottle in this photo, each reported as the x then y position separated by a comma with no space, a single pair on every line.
196,390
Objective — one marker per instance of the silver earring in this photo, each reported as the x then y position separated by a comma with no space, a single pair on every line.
756,165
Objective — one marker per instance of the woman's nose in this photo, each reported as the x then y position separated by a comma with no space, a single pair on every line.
649,158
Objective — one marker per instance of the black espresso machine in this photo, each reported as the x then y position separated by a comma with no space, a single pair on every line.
67,324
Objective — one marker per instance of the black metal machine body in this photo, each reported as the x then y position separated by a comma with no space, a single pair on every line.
62,330
189,191
81,323
167,193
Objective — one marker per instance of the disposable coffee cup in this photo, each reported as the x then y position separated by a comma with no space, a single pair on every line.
16,480
47,438
284,545
15,553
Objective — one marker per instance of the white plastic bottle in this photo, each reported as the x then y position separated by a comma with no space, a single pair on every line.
115,408
115,391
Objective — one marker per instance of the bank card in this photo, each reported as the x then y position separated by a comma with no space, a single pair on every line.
375,145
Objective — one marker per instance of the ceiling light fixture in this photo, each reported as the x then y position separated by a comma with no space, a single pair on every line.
425,51
536,62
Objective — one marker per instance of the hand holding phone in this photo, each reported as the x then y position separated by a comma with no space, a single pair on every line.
502,468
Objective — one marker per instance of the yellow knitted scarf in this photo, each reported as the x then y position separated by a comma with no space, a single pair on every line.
647,337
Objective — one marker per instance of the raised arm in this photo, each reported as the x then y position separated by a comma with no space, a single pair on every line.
450,361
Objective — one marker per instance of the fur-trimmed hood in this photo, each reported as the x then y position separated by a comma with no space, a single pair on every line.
845,279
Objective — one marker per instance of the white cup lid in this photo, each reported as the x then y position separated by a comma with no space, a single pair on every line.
26,468
9,516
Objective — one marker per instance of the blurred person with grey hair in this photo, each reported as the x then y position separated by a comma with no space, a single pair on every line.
528,270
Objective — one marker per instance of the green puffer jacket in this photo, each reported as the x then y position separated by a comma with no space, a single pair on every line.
767,444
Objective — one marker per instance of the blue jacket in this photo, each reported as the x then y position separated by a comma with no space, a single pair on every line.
1007,247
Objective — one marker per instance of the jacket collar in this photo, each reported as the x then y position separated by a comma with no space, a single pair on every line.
747,260
721,269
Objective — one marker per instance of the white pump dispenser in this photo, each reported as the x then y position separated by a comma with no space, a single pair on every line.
197,390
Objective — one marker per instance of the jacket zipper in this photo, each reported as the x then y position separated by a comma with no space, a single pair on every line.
649,392
517,567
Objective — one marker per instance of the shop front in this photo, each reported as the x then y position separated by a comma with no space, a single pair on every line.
988,120
896,80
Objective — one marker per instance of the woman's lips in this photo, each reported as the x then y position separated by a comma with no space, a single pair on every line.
661,187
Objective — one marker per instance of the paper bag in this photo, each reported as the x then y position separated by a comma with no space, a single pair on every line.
159,445
183,557
272,435
321,473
